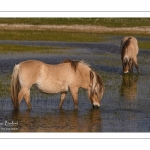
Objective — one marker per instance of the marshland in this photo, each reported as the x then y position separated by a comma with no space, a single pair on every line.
125,106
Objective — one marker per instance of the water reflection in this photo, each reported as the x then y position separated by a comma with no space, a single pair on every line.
58,121
129,87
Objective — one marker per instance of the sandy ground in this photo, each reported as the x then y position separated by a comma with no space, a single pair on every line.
77,28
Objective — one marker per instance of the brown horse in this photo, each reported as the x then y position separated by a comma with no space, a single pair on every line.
129,51
60,78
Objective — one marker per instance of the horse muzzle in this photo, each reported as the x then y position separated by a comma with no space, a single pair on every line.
96,105
126,72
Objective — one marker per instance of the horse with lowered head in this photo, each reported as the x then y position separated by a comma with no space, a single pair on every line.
129,52
60,78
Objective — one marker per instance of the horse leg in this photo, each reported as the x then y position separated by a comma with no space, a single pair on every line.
136,64
27,99
74,92
21,94
62,98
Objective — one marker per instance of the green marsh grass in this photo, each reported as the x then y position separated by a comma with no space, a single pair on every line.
50,36
65,35
10,48
144,45
108,22
53,36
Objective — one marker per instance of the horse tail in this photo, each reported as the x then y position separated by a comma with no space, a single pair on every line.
93,79
126,44
15,87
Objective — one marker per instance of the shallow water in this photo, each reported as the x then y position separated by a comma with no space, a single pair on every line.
125,106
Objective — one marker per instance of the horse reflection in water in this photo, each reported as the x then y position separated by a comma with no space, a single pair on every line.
68,75
67,121
129,86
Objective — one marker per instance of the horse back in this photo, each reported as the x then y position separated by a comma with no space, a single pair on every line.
53,78
129,47
77,75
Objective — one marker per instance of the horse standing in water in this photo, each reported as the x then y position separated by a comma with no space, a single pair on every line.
129,51
60,78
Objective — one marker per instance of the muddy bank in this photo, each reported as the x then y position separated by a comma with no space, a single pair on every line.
77,28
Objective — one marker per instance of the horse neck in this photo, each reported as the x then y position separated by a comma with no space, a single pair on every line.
84,67
125,48
124,53
84,71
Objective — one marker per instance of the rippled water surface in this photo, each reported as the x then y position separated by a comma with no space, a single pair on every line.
125,106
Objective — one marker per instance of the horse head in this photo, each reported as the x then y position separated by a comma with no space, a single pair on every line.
97,89
127,64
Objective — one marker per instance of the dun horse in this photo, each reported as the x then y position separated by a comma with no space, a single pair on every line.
129,51
60,78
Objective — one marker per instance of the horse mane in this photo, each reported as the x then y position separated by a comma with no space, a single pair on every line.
126,44
99,80
84,63
74,63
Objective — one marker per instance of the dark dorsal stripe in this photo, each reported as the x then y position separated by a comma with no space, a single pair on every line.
73,63
126,44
